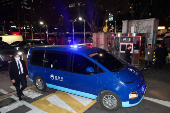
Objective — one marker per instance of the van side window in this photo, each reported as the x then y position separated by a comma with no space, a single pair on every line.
81,63
37,57
57,60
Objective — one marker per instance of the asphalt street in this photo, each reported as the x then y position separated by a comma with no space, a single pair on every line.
156,100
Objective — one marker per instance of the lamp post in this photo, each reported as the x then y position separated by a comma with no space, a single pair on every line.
106,25
73,30
80,18
41,23
47,31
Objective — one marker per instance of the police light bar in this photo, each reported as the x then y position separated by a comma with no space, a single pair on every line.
74,46
78,45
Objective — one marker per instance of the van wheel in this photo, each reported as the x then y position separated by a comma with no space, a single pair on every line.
109,100
40,83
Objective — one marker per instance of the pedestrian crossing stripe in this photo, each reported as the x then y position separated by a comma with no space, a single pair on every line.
20,103
3,91
63,103
31,93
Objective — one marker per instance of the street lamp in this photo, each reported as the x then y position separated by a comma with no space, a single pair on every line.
41,23
73,27
80,18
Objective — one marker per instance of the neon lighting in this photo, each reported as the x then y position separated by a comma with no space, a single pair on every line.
126,104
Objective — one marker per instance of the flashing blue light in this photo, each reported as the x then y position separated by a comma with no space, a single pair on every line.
74,46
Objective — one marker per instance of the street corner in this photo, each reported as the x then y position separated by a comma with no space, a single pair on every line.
63,103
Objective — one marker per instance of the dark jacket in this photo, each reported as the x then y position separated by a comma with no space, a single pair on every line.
14,72
110,50
127,56
165,52
159,54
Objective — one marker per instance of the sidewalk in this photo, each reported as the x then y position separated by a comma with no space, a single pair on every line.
5,83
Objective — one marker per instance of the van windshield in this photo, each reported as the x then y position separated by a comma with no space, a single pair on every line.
109,61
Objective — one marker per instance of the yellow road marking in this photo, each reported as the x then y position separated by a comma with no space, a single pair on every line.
45,105
74,104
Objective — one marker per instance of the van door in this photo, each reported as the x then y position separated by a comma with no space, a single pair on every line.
85,82
57,69
36,64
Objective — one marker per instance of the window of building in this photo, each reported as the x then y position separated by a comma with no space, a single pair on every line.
37,57
136,43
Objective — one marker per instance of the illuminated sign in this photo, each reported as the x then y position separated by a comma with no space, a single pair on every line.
161,27
126,39
110,17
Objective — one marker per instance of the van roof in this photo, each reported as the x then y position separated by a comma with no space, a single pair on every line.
68,48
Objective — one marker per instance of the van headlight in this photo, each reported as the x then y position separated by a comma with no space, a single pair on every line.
19,53
133,95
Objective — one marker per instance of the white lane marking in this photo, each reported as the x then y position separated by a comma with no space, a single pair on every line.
20,103
31,93
3,91
13,87
82,100
54,99
162,102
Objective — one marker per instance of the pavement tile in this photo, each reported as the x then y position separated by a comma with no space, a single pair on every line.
20,109
6,102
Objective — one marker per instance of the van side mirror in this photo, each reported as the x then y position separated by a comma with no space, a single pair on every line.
90,70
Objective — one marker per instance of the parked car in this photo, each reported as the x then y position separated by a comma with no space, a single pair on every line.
25,45
88,72
6,53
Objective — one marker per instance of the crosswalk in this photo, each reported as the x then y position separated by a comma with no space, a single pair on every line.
63,103
59,101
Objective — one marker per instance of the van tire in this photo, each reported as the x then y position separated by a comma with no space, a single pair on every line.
40,83
109,100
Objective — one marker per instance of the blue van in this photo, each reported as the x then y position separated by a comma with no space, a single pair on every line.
88,72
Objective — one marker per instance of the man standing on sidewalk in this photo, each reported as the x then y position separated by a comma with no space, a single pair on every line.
127,56
159,54
148,56
18,74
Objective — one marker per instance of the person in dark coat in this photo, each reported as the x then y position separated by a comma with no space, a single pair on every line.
148,56
109,49
18,74
165,54
127,56
159,54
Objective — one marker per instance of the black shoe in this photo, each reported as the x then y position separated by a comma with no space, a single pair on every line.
22,94
20,98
